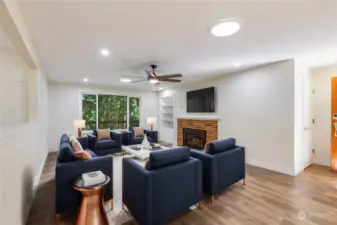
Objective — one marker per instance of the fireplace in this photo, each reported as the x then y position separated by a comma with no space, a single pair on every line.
194,138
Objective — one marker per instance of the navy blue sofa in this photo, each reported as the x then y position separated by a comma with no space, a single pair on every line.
223,165
152,136
68,169
171,183
106,146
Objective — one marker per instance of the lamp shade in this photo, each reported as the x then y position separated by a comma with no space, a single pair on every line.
79,123
151,120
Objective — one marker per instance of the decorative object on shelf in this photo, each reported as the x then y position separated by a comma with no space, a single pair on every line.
151,121
79,124
145,144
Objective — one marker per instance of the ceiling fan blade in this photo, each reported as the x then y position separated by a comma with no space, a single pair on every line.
137,81
170,76
135,77
170,80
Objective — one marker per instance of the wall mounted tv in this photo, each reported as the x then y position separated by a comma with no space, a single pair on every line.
201,100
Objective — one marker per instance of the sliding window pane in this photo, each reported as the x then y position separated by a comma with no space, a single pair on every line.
89,111
134,112
112,111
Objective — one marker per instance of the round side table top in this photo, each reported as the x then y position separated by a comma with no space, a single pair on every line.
79,184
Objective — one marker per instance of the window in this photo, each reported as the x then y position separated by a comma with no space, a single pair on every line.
110,111
134,112
89,111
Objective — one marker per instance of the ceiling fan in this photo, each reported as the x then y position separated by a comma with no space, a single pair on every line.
153,78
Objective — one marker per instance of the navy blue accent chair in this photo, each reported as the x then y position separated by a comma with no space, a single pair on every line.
68,169
152,137
170,184
106,146
223,165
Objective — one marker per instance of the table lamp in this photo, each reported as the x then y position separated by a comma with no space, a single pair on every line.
151,121
79,124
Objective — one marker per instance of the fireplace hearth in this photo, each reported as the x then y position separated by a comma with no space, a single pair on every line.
194,138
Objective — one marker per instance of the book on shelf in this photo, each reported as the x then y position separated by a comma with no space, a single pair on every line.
93,178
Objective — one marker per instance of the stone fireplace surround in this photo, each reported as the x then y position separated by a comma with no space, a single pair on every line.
208,124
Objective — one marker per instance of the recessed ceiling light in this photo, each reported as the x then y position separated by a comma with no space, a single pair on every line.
105,52
85,80
237,64
161,88
225,27
125,80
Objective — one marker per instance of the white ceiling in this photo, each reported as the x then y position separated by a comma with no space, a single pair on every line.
68,36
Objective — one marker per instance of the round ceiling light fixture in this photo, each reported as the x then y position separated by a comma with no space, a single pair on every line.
225,27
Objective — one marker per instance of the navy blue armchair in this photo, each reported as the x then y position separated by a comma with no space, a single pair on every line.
106,146
171,183
223,165
68,169
152,136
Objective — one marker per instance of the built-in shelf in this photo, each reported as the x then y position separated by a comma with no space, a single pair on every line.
167,111
168,120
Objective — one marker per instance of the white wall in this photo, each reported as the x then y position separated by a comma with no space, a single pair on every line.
64,107
13,88
256,107
303,117
23,141
321,79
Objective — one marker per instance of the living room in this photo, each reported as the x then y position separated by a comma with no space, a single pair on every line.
182,124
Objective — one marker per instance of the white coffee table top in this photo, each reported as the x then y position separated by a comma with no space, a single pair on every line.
142,154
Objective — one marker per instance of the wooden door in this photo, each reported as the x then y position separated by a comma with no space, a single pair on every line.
333,110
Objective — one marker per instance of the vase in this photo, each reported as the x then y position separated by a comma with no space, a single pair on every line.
145,143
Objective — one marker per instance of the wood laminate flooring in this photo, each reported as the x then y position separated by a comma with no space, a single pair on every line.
268,198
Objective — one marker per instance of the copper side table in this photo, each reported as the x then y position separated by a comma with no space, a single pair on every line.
92,210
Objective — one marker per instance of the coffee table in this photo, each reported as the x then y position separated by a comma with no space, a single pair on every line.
140,153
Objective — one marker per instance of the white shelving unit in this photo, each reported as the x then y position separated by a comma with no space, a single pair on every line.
167,111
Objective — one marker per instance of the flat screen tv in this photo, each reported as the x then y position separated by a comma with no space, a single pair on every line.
201,101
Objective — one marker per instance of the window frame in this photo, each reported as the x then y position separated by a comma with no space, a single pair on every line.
81,93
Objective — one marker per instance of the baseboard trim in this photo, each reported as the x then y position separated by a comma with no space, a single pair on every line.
271,166
38,176
322,162
36,182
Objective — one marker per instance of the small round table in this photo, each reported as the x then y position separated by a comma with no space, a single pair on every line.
92,209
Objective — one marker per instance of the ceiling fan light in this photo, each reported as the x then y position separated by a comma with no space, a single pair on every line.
153,81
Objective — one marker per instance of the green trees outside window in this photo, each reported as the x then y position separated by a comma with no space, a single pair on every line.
89,111
112,111
134,112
